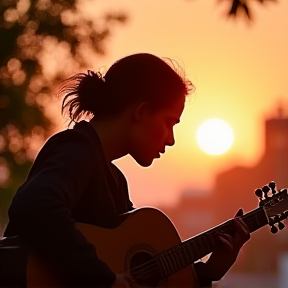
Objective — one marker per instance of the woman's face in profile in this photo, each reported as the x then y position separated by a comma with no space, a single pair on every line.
155,132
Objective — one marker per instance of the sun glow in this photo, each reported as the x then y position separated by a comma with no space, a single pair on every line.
215,136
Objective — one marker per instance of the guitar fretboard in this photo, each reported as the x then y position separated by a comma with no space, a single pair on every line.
192,249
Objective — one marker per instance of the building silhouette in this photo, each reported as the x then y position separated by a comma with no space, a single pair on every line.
234,189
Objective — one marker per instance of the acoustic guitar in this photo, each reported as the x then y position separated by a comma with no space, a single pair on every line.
147,247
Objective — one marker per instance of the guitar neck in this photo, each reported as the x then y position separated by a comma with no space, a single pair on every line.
194,248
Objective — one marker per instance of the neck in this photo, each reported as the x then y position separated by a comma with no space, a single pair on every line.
112,137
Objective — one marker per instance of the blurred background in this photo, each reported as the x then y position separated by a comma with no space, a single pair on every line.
234,52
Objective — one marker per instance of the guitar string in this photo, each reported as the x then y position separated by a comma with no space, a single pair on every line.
144,270
147,274
152,267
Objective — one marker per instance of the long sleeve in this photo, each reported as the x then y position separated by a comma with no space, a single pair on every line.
40,213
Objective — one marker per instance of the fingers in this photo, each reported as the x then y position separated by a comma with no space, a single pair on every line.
240,236
242,233
239,213
226,240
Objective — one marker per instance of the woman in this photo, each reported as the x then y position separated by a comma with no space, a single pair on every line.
134,108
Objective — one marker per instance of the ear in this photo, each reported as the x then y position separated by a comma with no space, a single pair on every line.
140,111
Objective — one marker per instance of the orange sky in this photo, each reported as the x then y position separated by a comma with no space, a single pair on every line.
239,70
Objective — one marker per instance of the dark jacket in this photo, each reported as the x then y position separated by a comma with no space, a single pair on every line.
69,182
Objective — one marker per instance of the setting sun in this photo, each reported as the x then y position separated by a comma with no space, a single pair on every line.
215,136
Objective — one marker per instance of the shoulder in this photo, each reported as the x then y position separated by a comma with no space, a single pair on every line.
70,144
68,151
66,137
81,134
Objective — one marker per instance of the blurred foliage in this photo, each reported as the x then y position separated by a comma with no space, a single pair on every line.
243,6
26,29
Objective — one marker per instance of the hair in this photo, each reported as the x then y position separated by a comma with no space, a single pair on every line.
138,77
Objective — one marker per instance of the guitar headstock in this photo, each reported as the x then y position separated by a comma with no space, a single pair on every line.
275,204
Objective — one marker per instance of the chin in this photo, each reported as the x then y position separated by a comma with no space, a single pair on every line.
144,162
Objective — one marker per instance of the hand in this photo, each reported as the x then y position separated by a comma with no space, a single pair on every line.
122,281
227,249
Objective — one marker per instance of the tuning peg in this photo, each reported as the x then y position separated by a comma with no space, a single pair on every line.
283,191
276,218
272,185
259,193
281,226
265,189
274,229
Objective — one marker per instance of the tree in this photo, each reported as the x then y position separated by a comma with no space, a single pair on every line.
238,6
26,28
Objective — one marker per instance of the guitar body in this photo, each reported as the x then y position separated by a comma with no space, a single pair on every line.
145,233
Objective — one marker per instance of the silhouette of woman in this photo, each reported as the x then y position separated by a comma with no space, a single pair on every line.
133,110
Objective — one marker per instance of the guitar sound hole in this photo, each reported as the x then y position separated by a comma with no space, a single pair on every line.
144,270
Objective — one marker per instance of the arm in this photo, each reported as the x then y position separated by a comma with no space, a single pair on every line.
225,253
41,213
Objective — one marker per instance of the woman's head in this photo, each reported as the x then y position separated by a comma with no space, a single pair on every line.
133,79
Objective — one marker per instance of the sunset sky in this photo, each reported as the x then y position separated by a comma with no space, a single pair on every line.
240,72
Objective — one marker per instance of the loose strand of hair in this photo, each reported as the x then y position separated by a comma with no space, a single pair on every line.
189,87
70,104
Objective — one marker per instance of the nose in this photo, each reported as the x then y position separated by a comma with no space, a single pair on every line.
170,141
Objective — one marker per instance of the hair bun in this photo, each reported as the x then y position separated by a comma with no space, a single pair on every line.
91,84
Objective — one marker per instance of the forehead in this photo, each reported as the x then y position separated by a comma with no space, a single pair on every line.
175,108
